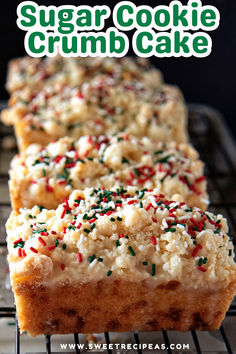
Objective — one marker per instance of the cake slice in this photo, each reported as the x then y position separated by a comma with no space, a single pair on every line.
100,106
119,260
35,73
46,175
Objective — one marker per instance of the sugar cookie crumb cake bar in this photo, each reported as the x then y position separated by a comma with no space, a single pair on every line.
99,107
34,73
119,260
45,175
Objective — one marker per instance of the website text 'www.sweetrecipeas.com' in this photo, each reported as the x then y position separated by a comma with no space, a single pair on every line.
124,346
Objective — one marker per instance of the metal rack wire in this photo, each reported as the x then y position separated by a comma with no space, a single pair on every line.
210,137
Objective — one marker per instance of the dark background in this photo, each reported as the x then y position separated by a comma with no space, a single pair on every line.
209,80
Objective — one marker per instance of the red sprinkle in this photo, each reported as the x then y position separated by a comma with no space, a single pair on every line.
148,206
64,230
42,241
54,232
132,201
154,242
49,189
200,179
79,257
63,213
63,181
154,220
79,94
202,269
121,235
24,253
33,250
92,220
79,226
63,266
51,247
17,241
58,158
196,249
44,233
19,252
33,181
69,165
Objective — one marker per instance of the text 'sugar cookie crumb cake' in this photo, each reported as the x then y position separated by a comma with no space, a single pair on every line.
99,107
119,260
45,175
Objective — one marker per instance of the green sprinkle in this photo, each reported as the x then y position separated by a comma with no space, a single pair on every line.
124,160
141,205
153,269
217,231
162,180
85,217
230,253
80,160
145,263
200,262
31,216
136,172
109,273
38,231
158,152
187,180
159,203
64,246
36,162
171,229
41,207
56,242
73,126
189,209
119,218
117,243
131,251
91,258
71,227
112,219
19,244
126,236
87,231
92,226
164,159
77,201
141,194
100,259
44,172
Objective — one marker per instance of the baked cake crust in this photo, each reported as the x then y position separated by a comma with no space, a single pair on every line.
99,107
118,306
119,260
45,176
35,73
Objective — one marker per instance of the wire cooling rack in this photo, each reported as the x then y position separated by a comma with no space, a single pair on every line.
216,147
